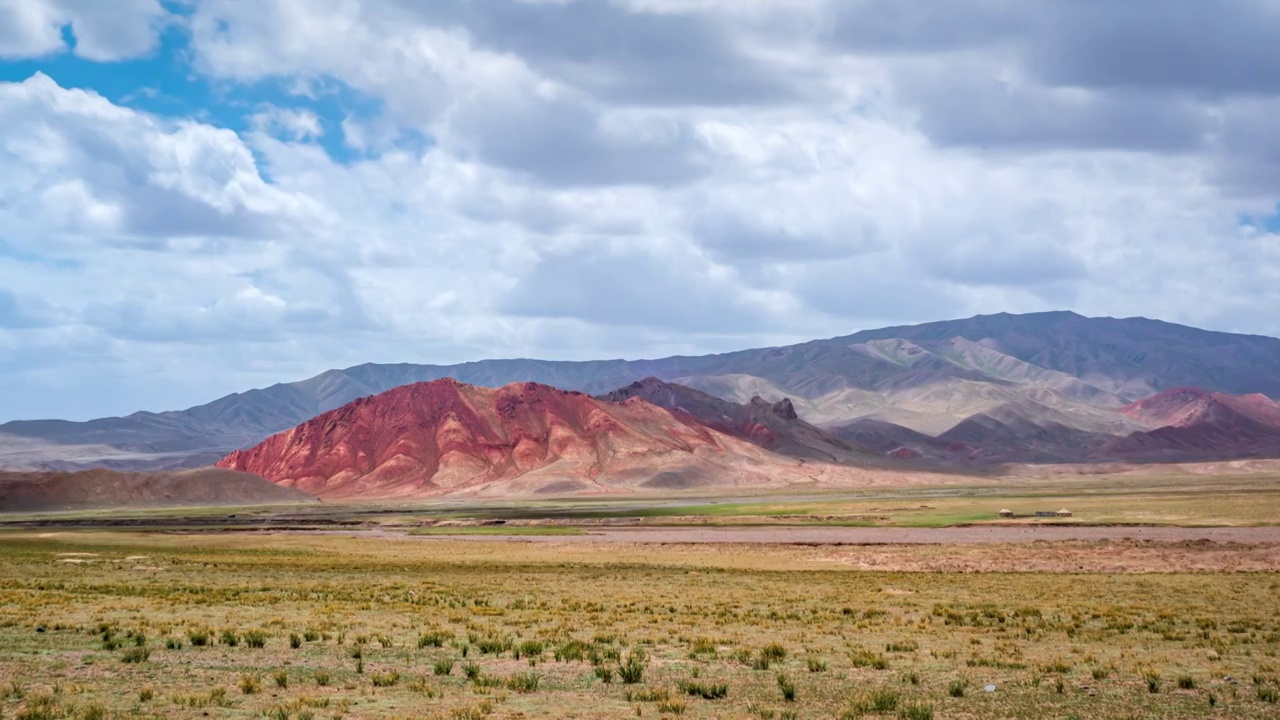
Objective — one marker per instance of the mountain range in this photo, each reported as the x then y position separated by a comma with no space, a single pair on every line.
444,437
1042,388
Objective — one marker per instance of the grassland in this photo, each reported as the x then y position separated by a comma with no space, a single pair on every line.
499,530
1176,500
123,625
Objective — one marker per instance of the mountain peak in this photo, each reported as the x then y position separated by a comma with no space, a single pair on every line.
785,409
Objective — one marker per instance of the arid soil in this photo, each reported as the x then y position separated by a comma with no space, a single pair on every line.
998,549
991,534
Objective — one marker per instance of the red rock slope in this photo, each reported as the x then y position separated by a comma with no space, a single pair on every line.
93,489
446,437
1191,423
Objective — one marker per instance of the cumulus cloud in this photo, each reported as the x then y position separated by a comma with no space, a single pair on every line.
101,31
599,178
102,172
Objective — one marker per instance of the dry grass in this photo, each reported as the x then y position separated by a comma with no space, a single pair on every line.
524,630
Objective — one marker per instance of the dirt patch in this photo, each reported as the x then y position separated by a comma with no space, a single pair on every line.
981,535
1073,556
964,549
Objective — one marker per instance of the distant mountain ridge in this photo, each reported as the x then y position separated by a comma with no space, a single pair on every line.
1198,424
1048,368
774,426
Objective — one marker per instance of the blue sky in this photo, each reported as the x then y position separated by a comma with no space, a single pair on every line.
198,197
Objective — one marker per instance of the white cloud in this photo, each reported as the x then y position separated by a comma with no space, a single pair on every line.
102,31
534,180
291,123
112,173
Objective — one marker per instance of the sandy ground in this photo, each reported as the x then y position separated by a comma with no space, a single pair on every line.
960,549
883,536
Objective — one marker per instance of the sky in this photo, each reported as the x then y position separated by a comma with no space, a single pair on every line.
199,197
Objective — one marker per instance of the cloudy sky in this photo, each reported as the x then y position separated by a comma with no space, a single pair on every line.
202,196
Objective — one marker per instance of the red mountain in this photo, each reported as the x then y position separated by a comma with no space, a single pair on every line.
1191,423
446,437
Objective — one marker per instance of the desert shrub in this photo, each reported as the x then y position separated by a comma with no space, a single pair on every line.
230,638
906,646
493,645
703,646
605,674
787,688
322,678
136,655
199,638
879,700
41,707
385,679
1268,694
524,682
250,684
647,695
146,695
573,650
706,692
671,707
443,666
93,712
478,712
172,644
295,641
1152,678
774,652
471,671
816,665
282,679
956,688
434,638
255,639
632,671
1186,682
868,659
